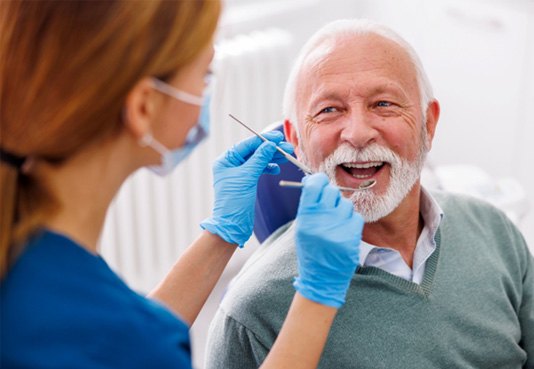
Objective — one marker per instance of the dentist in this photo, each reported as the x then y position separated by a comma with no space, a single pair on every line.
89,93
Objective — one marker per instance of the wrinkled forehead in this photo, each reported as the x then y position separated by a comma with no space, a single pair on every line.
359,55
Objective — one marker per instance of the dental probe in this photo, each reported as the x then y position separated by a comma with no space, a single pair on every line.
363,186
286,155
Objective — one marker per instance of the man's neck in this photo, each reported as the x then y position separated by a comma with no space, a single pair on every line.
400,229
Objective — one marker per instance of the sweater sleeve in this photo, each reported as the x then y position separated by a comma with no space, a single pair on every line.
526,311
231,345
525,263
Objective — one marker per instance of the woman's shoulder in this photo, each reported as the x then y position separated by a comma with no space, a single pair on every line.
59,297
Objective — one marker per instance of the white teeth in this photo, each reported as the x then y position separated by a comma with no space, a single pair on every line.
364,165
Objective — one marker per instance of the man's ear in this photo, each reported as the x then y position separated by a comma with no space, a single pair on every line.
432,117
291,133
140,108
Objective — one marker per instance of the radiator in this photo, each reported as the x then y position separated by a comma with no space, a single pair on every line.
152,219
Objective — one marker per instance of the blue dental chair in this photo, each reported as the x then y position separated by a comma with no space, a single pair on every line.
275,206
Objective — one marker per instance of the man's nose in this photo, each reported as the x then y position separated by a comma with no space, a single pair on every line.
359,130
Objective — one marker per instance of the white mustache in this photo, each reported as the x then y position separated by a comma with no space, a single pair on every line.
348,154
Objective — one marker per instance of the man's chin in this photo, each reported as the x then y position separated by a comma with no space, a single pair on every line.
373,207
369,216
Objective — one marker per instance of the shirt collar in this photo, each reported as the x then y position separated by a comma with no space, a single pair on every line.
365,249
429,210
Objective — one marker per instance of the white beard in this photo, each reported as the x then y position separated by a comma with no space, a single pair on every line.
404,175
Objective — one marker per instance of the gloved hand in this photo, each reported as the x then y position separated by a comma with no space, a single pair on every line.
235,176
328,235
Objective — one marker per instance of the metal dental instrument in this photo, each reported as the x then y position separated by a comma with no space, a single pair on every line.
363,186
286,155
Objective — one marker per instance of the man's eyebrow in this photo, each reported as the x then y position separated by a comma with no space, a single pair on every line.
388,88
327,95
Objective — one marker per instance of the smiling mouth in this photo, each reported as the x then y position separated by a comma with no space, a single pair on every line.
362,170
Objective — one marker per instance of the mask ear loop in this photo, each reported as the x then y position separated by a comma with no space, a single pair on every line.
177,94
163,87
150,141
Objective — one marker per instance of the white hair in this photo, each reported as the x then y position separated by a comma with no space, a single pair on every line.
344,28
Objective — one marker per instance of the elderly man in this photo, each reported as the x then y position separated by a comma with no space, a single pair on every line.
444,281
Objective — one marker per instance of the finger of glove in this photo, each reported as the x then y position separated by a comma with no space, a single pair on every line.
355,224
248,146
330,197
272,169
345,208
358,222
287,147
274,136
231,158
260,159
313,189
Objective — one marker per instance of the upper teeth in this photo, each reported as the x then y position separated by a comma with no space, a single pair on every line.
364,165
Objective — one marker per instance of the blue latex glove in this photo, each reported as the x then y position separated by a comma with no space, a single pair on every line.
328,235
236,174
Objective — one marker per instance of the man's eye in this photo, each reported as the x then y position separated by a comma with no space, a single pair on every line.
330,109
330,112
384,104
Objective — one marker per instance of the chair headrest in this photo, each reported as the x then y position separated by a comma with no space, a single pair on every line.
275,206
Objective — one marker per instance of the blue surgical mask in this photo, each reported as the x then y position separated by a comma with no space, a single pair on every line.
171,158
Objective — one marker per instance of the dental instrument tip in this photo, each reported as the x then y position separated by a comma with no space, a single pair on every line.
367,184
363,186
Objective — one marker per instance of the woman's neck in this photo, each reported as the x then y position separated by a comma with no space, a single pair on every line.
84,187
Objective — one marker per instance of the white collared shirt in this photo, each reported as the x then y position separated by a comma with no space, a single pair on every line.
391,261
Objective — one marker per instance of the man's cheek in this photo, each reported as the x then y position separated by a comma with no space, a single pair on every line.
318,153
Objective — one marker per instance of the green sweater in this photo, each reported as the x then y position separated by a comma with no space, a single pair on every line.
473,309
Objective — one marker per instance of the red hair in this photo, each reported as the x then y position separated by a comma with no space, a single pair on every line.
65,70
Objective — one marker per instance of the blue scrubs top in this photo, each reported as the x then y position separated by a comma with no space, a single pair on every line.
63,307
